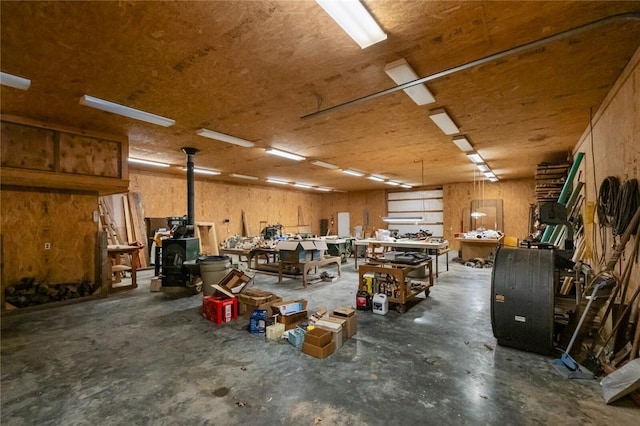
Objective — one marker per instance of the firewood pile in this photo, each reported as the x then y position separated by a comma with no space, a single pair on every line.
29,292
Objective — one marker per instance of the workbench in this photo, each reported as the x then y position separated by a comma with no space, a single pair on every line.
396,276
470,248
307,265
436,249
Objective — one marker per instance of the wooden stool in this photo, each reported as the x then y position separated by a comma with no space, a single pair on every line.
118,272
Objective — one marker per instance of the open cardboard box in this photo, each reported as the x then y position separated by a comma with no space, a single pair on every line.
292,319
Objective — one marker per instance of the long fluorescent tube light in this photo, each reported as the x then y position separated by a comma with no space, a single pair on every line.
482,167
390,182
205,171
278,181
405,185
320,188
224,138
401,72
442,120
408,219
302,185
235,175
126,111
147,162
285,154
490,175
353,172
493,179
463,143
14,81
355,20
474,157
325,165
376,178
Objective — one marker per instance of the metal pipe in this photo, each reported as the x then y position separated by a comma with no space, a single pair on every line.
484,60
190,185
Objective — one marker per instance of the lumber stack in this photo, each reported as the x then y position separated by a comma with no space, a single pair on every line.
550,178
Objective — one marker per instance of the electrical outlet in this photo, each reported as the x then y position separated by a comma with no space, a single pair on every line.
47,246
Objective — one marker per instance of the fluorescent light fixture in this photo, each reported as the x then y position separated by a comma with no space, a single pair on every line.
474,157
355,20
490,174
493,179
406,185
321,188
325,165
401,72
482,167
14,81
303,185
278,181
224,138
147,162
390,182
442,120
353,172
478,214
205,171
235,175
462,143
406,219
376,178
126,111
284,154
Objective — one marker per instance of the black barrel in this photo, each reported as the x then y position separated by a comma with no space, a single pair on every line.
522,299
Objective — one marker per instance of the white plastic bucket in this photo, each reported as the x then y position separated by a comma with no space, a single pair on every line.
212,270
380,304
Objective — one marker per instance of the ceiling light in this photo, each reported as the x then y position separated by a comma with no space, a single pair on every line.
353,172
205,171
401,72
478,214
406,219
405,185
302,185
376,178
355,20
125,111
442,120
325,165
390,182
285,154
235,175
278,181
14,81
224,138
147,162
482,167
320,188
490,174
462,143
493,179
474,157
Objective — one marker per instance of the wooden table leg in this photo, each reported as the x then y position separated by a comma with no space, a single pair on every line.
134,282
430,273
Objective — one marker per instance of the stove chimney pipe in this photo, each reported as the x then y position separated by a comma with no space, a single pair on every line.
190,185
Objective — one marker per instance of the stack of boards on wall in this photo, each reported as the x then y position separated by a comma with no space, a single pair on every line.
522,299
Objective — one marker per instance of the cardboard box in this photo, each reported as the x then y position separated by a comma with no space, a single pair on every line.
219,310
252,298
245,310
156,284
288,308
337,331
300,251
291,321
348,314
235,281
318,337
319,352
334,324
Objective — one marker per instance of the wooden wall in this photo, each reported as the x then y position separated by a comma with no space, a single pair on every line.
165,195
516,195
32,218
615,145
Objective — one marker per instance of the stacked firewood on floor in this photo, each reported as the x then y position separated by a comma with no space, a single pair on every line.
30,292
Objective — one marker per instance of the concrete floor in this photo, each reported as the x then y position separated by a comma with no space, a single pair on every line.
140,358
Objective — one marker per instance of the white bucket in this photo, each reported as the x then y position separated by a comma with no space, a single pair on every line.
212,270
380,304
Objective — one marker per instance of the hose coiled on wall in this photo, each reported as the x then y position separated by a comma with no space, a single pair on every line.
627,203
607,201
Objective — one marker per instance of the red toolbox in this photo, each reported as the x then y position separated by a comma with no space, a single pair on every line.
219,309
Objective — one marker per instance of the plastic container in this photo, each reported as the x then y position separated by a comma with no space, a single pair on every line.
212,270
295,336
258,321
380,304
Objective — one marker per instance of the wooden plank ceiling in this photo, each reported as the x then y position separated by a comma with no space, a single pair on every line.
252,69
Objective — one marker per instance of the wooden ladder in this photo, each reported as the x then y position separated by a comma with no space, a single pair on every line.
107,225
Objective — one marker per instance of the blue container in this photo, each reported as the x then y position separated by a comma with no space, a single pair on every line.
258,321
296,337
